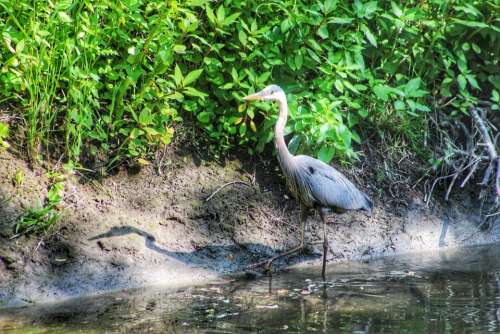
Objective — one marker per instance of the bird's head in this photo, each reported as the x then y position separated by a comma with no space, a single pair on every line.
270,93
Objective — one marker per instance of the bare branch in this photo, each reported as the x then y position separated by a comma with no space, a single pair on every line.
225,185
485,134
490,147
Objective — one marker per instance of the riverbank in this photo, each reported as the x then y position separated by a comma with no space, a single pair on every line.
141,228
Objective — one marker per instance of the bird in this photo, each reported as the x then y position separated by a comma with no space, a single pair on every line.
314,184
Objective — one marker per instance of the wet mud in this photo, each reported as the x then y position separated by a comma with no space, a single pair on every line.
132,230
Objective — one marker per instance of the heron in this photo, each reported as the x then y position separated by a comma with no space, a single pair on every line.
314,184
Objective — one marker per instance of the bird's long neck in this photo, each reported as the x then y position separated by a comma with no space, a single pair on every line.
279,132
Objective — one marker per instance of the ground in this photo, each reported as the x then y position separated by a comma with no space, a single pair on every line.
141,227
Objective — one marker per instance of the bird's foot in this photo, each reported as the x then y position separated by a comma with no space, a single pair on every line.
267,264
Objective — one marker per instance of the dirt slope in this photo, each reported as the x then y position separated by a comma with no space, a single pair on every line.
132,230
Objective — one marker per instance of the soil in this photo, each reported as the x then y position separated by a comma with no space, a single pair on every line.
142,228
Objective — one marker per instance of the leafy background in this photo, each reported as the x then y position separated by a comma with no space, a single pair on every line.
115,80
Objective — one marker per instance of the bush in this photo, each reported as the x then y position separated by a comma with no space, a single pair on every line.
118,76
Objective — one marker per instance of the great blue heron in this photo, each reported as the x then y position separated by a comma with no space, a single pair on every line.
314,183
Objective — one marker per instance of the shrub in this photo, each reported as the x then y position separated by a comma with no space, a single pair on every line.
117,76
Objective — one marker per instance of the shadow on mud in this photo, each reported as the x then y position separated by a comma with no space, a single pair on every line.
223,257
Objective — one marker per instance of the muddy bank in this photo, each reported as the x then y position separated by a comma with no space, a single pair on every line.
140,229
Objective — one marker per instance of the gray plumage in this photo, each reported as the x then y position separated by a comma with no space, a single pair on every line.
314,183
318,185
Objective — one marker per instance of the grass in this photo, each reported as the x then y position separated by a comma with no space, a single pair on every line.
41,218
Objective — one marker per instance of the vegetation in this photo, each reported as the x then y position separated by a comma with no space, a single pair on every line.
4,133
40,218
118,77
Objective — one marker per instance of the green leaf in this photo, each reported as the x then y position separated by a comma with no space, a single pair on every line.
204,117
243,129
145,117
461,82
363,113
399,105
472,81
285,25
221,14
356,137
382,92
472,24
412,86
314,45
210,14
371,38
495,97
329,6
136,133
178,77
4,130
20,47
323,31
178,48
340,20
231,18
422,107
326,153
350,86
64,17
190,91
242,37
396,10
314,56
299,60
192,76
339,86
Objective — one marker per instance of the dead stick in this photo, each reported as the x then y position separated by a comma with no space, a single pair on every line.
428,197
489,145
223,186
485,134
453,181
472,170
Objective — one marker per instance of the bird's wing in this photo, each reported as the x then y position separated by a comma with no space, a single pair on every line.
329,187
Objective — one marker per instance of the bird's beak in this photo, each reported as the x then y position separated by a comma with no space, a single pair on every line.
253,97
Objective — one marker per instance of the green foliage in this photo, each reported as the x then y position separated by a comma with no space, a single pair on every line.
40,218
115,77
4,133
18,178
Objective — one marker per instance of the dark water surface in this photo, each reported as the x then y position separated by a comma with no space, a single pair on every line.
451,292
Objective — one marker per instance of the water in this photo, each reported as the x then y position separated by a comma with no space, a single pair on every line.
452,292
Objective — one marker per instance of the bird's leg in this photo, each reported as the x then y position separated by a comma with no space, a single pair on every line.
269,262
325,243
303,219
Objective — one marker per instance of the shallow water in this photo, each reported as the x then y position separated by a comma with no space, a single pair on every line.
449,292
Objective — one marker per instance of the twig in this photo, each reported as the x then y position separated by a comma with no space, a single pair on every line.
492,214
450,101
472,170
158,170
225,185
485,134
453,182
446,177
37,246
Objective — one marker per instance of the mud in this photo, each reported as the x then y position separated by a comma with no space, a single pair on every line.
141,229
